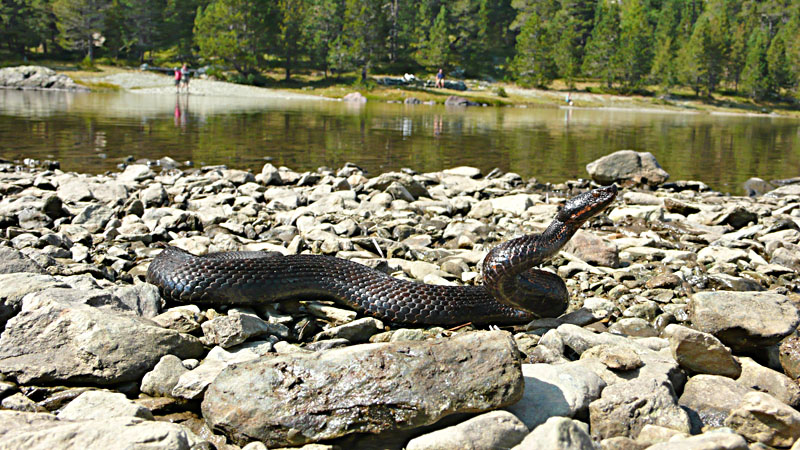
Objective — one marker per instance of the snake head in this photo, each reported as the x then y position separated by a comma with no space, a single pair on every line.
580,208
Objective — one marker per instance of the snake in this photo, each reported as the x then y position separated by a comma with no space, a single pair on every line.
514,290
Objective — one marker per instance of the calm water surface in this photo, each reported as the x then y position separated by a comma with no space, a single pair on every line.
95,132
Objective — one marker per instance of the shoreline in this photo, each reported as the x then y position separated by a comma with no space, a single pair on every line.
150,83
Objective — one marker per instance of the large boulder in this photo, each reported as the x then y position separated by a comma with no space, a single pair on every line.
37,77
293,399
628,168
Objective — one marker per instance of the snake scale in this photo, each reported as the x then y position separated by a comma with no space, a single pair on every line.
513,290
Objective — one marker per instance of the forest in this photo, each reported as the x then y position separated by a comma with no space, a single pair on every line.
746,47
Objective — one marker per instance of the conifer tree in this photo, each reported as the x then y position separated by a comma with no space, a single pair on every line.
603,44
664,70
756,73
634,58
321,27
434,52
290,37
704,54
80,23
532,63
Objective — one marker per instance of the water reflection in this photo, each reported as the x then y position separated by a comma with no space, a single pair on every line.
94,132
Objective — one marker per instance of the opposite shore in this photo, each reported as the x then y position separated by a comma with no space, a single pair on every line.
479,92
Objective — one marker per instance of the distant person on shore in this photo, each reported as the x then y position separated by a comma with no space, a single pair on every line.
177,73
568,100
185,76
440,79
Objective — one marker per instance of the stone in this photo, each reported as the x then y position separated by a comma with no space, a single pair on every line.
558,433
354,97
556,390
760,378
60,343
654,434
14,261
709,399
19,402
615,357
701,352
135,173
593,249
721,439
789,356
493,430
627,166
160,381
356,331
236,327
37,78
180,319
745,321
763,418
633,326
363,388
102,405
143,299
455,100
515,204
38,431
625,407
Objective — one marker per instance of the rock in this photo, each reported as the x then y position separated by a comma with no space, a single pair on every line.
102,405
464,171
514,204
615,357
19,402
37,431
556,390
558,433
709,399
701,352
364,388
455,100
593,249
59,343
356,331
135,173
763,418
496,429
755,187
627,166
633,326
625,407
180,319
745,321
160,381
236,327
37,78
270,175
759,378
721,439
653,434
354,97
13,261
789,355
143,299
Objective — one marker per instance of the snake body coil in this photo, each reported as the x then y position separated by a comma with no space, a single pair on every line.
512,292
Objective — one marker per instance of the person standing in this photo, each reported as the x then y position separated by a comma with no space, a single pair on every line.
440,79
177,73
185,76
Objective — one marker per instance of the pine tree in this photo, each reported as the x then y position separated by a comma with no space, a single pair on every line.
235,31
361,42
603,44
704,55
434,52
291,39
664,70
532,63
635,52
565,51
323,25
755,74
80,23
778,64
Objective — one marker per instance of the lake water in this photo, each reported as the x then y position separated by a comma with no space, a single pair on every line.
95,132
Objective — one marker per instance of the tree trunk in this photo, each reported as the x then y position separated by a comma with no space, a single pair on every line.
288,65
91,51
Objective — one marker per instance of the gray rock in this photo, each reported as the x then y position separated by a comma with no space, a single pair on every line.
37,78
721,439
490,431
633,326
745,321
514,204
709,399
654,434
143,299
701,352
556,390
270,175
14,286
764,379
627,166
237,327
558,433
363,388
381,182
180,319
356,331
13,261
624,408
160,381
19,402
37,431
136,173
102,405
59,343
763,418
354,97
615,357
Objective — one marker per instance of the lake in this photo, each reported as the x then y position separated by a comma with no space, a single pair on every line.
94,132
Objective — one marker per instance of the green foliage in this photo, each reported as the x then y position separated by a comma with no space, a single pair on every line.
755,76
434,52
80,23
635,51
603,45
703,56
533,63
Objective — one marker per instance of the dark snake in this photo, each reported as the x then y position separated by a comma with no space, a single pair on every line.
513,291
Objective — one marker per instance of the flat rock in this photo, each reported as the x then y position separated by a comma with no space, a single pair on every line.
60,343
300,398
38,431
721,439
103,405
593,249
701,352
556,390
745,321
160,381
490,431
37,78
235,328
356,331
759,378
624,408
13,261
763,418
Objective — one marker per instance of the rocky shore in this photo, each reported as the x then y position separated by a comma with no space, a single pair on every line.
681,334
